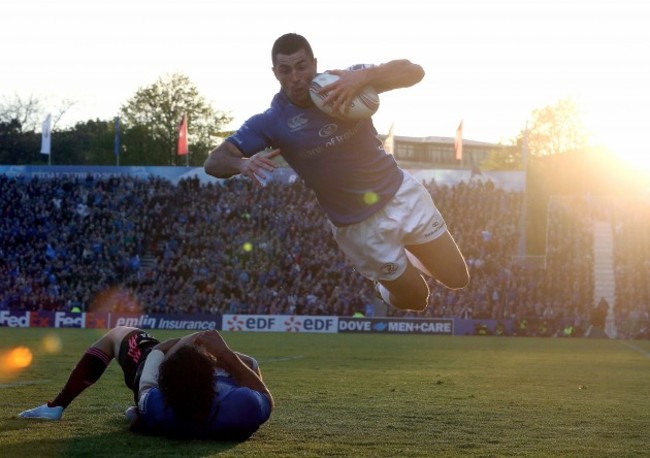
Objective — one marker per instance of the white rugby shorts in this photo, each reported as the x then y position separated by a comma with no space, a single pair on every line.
376,246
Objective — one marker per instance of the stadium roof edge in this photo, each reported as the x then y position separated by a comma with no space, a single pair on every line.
446,140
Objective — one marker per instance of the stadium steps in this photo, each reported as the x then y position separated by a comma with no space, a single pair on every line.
604,277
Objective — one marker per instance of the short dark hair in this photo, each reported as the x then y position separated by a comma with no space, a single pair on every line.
290,43
186,381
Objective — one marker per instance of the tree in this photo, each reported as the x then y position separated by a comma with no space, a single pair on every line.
503,159
88,143
17,147
29,111
151,119
555,129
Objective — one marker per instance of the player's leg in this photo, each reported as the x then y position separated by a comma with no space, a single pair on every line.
86,372
442,259
409,226
409,291
376,249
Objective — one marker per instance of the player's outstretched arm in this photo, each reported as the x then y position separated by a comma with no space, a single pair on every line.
226,160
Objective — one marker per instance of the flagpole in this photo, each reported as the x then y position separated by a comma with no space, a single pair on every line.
523,247
117,140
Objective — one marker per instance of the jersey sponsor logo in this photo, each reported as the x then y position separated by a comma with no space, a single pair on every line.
134,352
328,130
297,122
436,226
334,140
389,268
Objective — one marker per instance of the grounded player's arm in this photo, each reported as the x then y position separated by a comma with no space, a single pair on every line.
226,160
250,362
228,360
149,376
244,375
166,345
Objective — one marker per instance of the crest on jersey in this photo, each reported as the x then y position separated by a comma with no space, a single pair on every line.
328,130
297,122
389,268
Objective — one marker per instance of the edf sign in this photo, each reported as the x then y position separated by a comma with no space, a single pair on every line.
280,323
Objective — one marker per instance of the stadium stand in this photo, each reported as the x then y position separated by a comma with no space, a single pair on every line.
145,244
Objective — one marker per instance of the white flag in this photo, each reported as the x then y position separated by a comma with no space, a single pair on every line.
46,136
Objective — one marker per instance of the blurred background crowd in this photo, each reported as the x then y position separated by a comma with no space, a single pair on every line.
150,246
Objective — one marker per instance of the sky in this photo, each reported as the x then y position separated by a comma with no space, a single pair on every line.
489,63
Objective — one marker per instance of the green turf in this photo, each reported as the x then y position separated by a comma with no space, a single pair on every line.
369,395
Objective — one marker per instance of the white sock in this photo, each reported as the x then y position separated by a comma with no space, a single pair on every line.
417,264
385,294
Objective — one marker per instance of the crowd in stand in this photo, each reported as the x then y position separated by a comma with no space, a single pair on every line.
148,245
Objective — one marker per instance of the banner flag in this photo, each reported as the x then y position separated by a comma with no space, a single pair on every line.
458,143
116,142
46,135
183,149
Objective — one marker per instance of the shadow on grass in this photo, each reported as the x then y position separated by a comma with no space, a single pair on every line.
21,437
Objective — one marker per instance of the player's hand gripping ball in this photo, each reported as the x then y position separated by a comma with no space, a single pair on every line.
364,105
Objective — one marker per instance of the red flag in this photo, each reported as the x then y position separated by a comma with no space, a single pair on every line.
458,143
183,149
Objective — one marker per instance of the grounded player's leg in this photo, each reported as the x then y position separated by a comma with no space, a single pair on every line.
86,372
91,366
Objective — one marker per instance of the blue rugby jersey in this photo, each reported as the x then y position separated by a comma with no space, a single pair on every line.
341,160
237,412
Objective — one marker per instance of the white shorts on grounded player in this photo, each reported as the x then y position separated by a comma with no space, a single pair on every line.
376,246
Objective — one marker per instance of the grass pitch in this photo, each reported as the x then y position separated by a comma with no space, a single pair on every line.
354,395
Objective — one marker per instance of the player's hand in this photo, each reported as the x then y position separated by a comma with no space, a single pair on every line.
133,418
259,165
213,342
341,92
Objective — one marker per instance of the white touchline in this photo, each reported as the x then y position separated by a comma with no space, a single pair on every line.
23,383
634,347
280,360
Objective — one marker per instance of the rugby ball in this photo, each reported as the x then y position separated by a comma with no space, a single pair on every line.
364,105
